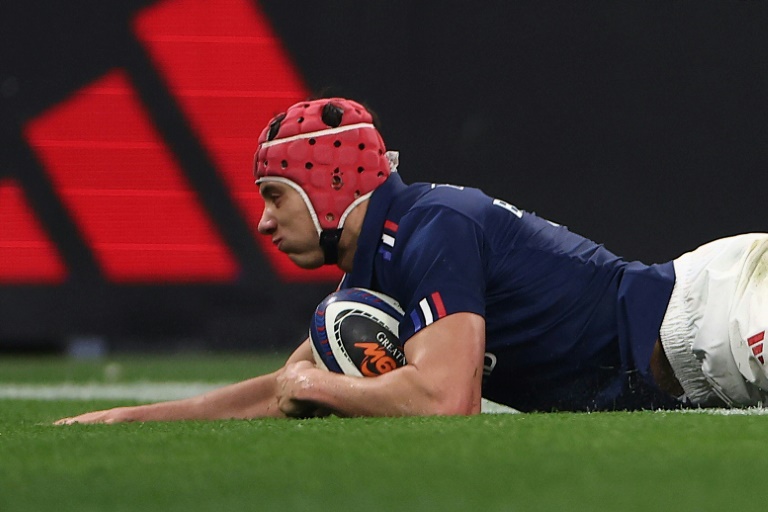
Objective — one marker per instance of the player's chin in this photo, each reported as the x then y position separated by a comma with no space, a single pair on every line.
307,261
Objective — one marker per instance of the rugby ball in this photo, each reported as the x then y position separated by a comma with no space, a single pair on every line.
355,332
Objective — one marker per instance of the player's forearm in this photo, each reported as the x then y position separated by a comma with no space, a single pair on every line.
252,398
402,392
249,399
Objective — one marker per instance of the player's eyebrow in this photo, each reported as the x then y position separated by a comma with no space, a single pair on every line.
268,189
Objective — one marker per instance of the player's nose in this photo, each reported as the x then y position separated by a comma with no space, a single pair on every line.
267,223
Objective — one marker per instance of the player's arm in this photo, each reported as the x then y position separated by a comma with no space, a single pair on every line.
252,398
443,377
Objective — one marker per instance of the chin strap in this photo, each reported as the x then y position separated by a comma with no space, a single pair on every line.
329,241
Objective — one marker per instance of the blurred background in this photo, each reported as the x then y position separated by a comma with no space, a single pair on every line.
127,129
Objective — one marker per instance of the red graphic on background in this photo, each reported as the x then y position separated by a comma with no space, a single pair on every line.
124,190
230,75
122,185
26,253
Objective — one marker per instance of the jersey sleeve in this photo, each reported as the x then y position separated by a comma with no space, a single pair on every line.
441,267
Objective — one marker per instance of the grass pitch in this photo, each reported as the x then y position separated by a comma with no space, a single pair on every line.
607,461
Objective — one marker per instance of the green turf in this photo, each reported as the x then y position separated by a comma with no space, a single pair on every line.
617,461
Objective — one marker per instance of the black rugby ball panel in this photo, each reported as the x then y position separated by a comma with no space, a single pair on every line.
373,348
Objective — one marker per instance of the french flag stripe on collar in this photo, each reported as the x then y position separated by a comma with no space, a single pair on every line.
430,309
388,236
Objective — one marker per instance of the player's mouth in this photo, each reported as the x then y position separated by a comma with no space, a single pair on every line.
277,242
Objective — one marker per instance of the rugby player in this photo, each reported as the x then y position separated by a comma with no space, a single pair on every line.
499,303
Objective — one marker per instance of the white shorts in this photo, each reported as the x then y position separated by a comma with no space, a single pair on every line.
714,328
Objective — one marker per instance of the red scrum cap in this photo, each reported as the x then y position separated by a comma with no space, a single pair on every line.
331,153
330,149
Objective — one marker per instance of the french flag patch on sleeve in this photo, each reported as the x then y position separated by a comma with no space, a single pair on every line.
430,309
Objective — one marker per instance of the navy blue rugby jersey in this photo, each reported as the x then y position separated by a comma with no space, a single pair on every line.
569,325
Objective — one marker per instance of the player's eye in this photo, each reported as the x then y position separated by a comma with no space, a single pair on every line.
271,195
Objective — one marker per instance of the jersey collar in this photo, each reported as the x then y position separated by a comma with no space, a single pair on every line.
370,235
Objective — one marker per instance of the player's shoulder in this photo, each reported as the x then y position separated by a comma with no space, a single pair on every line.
443,197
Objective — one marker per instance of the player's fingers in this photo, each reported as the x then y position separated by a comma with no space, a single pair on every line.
297,408
89,417
70,421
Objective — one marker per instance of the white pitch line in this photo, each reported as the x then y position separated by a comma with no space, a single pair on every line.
488,407
140,391
748,411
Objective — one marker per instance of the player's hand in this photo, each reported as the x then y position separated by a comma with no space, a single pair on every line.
293,382
108,416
